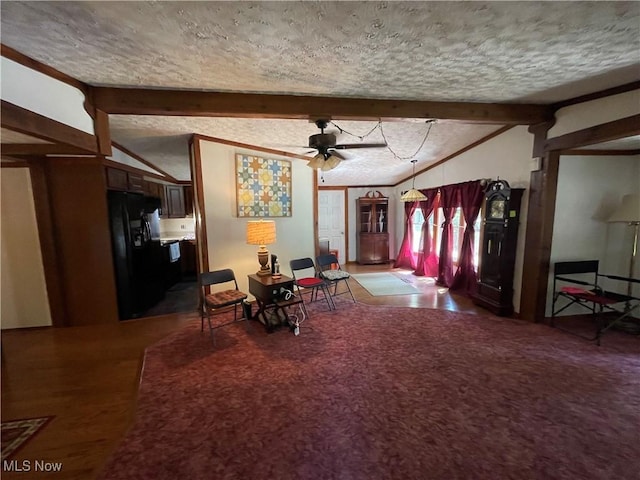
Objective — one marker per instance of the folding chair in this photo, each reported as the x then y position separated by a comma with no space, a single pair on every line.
307,279
218,302
579,284
329,269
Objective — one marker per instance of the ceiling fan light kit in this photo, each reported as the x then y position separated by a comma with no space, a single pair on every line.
327,157
316,162
330,163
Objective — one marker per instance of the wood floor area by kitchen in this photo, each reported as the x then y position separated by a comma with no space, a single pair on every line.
87,377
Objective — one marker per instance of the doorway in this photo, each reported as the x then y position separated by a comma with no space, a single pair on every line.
332,223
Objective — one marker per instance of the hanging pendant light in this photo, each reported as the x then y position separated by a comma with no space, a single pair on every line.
413,195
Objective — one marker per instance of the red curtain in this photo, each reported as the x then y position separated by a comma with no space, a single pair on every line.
471,195
406,258
449,198
427,264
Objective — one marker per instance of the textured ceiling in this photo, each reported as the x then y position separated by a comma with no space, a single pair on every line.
539,52
362,167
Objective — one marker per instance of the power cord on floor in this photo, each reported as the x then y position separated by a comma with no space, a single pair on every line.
296,323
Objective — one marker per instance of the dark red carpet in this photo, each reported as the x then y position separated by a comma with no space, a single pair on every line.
385,393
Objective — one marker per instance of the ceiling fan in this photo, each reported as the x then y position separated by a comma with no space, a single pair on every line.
325,143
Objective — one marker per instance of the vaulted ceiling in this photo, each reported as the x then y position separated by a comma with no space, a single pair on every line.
490,52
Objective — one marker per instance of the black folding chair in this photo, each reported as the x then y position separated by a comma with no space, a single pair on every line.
307,279
578,283
329,269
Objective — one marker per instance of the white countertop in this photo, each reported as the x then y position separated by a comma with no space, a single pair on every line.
174,239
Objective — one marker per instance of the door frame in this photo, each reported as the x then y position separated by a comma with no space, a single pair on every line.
542,204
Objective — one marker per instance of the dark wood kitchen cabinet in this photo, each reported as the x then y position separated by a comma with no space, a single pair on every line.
125,181
372,244
117,179
175,201
188,200
153,189
135,182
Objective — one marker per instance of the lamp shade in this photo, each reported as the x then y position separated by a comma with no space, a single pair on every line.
413,195
330,163
261,232
317,161
628,211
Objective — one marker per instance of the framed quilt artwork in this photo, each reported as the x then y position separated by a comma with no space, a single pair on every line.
263,187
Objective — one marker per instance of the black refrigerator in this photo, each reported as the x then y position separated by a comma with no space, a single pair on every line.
137,257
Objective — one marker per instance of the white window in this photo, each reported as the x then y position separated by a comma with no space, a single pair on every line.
458,227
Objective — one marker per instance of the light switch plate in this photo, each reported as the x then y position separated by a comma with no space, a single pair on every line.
535,164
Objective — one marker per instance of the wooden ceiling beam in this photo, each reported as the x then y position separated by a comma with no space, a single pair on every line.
594,152
42,149
624,127
141,101
30,123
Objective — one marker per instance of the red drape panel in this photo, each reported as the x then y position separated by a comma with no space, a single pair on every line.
471,195
449,199
406,258
427,264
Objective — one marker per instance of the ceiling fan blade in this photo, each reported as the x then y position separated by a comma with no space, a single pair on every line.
360,145
296,145
336,154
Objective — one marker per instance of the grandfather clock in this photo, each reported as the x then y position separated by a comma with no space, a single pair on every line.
498,247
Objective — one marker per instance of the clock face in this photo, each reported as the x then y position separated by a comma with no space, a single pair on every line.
496,209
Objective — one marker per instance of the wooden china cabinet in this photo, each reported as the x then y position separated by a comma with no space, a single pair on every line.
498,248
372,244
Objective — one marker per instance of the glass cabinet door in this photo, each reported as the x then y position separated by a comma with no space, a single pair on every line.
366,215
381,219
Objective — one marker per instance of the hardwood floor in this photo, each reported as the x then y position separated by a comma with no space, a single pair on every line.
87,377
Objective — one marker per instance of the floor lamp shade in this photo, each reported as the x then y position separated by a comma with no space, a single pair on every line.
262,233
628,211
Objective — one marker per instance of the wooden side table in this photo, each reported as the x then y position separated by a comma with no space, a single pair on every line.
270,295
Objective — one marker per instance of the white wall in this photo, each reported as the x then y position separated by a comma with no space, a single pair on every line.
589,189
44,95
603,110
121,157
177,227
22,289
226,232
506,156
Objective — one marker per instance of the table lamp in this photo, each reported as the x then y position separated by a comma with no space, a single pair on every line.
262,233
629,212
